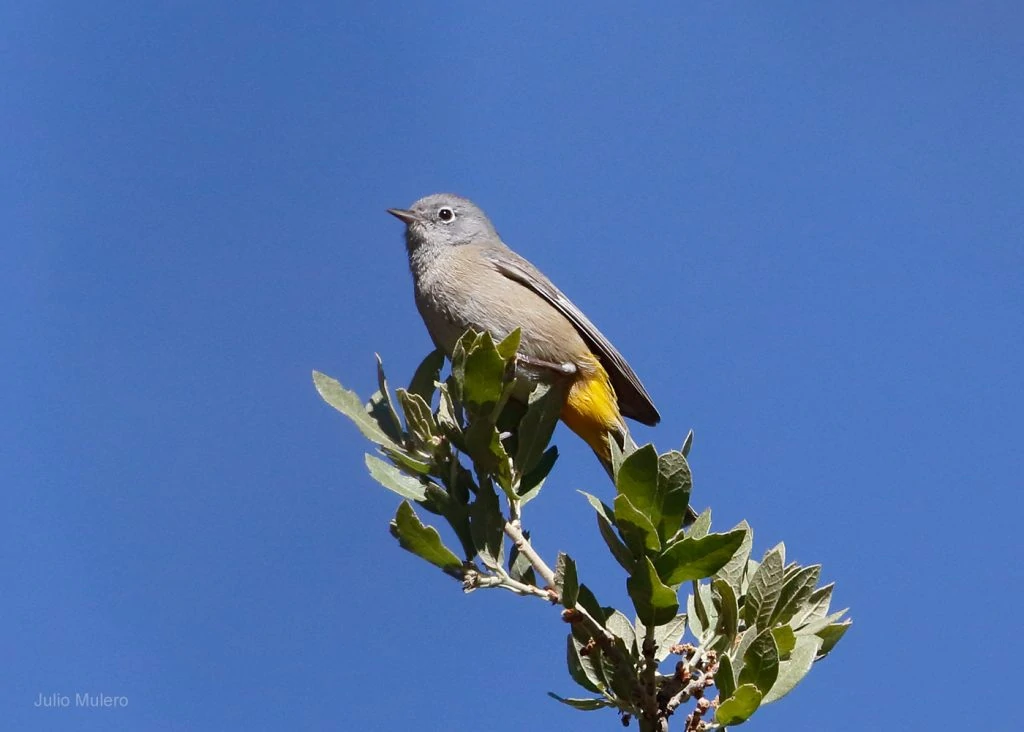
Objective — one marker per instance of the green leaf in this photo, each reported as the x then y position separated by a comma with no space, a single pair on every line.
748,572
706,604
462,348
815,606
519,567
739,649
637,480
815,626
687,444
461,485
457,513
738,707
483,381
602,508
381,408
428,373
405,462
586,600
725,679
691,559
701,525
617,456
673,492
348,403
732,572
619,625
487,527
537,426
509,345
785,640
797,588
793,670
483,443
728,613
635,527
697,620
668,635
619,550
765,587
761,662
532,482
395,480
655,603
831,634
585,705
418,416
449,414
566,582
605,524
621,676
423,541
582,668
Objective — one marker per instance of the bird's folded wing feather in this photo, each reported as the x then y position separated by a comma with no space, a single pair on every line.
634,401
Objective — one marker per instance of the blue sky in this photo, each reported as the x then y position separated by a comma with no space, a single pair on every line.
802,225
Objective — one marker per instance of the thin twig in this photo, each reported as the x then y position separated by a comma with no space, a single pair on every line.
474,580
514,531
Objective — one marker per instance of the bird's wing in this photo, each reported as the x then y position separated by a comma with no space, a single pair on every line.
634,401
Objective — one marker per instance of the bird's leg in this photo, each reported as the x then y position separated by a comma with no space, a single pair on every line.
560,369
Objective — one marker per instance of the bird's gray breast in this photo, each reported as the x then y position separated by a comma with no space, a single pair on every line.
457,288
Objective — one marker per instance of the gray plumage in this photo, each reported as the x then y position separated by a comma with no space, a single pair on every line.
465,276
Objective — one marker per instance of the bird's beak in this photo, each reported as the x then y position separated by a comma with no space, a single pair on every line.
409,217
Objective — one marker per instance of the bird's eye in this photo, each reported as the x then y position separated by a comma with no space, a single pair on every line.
446,214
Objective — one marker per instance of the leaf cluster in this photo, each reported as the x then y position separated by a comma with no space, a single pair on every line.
463,447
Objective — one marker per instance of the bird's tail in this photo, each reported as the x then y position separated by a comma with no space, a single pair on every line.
591,410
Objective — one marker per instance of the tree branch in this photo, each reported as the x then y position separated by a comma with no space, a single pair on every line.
514,532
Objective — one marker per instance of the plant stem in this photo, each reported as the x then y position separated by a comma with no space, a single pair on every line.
514,531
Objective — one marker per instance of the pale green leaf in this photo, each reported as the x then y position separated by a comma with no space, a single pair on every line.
687,444
765,587
424,380
795,668
728,613
655,603
785,640
584,705
701,525
394,479
537,425
691,559
581,668
795,590
605,524
348,403
668,635
637,479
483,380
423,541
635,527
831,634
509,345
738,707
619,625
673,493
487,527
725,679
761,662
566,582
732,572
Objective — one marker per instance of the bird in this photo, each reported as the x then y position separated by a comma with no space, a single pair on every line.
466,277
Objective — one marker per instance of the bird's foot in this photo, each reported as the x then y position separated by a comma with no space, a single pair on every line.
561,369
